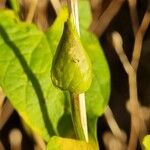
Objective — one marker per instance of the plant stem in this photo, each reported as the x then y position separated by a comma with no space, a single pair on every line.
1,146
139,38
15,138
56,5
117,132
78,100
133,14
76,116
2,4
104,20
31,11
6,112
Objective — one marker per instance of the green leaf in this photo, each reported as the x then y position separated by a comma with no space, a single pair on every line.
55,31
146,142
85,15
25,60
57,143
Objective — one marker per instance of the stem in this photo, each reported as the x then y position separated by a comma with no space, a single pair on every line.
139,39
39,143
6,112
78,100
2,4
15,138
2,99
114,126
136,122
1,146
76,116
133,14
56,5
31,11
106,17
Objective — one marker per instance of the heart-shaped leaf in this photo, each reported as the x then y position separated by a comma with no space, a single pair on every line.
57,143
25,60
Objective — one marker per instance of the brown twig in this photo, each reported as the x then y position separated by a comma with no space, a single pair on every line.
2,4
102,23
139,39
97,10
7,110
1,146
31,11
138,127
15,138
134,16
145,113
112,142
56,5
135,62
144,116
2,98
117,42
40,145
117,132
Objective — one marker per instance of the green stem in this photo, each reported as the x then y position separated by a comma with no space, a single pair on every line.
76,116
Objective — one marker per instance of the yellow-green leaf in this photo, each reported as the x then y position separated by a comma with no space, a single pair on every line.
57,143
146,142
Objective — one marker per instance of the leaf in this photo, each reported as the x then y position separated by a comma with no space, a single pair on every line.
57,143
85,17
146,142
25,60
98,94
100,88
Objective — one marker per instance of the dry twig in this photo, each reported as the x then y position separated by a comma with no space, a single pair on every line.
2,98
40,145
138,127
2,4
32,8
99,26
134,16
117,132
112,142
73,9
56,5
117,42
1,146
139,39
15,138
7,110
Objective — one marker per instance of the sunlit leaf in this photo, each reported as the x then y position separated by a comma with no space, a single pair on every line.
57,143
146,142
25,60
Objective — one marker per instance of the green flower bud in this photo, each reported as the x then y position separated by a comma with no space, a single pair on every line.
71,67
